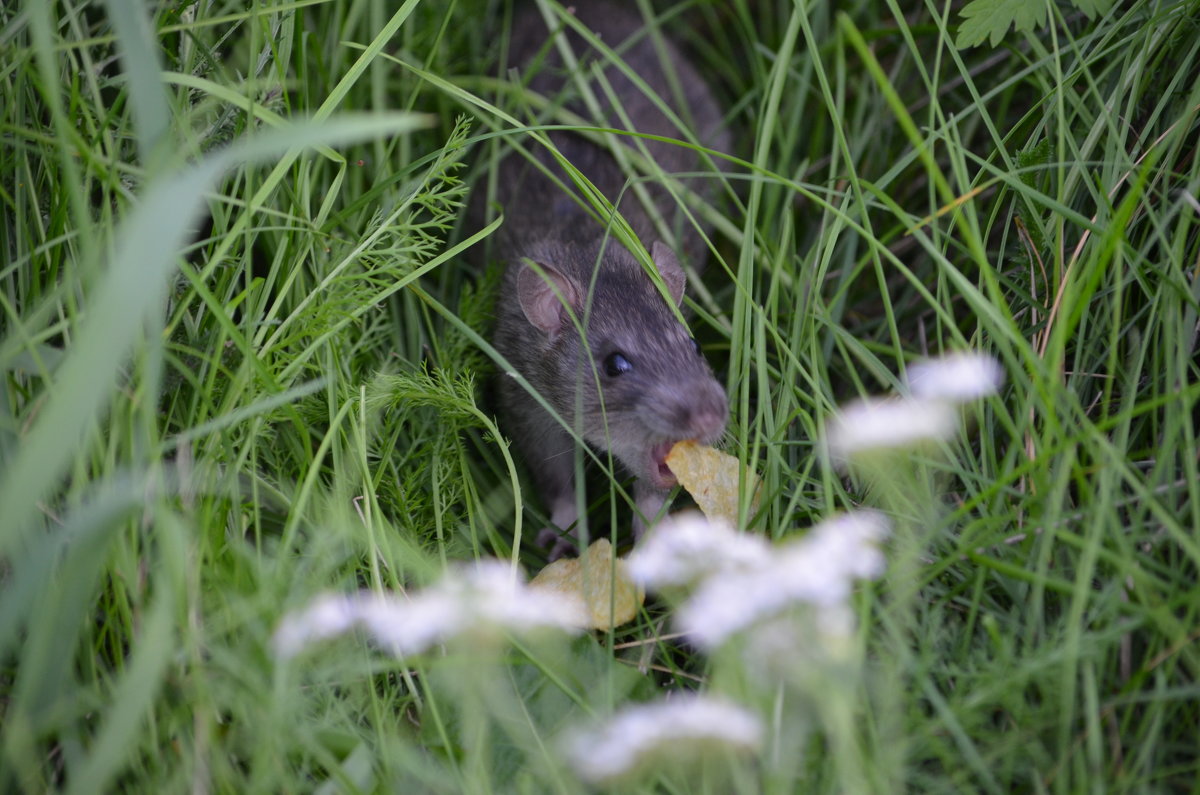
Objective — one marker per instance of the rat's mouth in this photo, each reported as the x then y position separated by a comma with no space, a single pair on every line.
660,474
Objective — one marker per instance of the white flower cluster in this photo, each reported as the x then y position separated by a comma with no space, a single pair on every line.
882,423
741,580
955,377
686,548
685,727
479,601
927,413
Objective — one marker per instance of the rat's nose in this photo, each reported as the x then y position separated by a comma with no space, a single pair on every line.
708,423
704,418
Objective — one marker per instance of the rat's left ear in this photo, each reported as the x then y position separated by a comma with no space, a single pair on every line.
545,297
668,267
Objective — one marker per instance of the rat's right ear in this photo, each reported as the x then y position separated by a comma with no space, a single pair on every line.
545,297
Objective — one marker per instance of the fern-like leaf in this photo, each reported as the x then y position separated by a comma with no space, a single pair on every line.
991,19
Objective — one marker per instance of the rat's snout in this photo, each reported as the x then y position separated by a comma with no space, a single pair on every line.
701,413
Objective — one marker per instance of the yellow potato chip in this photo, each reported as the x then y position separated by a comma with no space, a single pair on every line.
605,595
711,477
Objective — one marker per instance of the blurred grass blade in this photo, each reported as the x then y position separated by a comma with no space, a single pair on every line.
86,529
129,295
136,691
142,70
137,687
53,602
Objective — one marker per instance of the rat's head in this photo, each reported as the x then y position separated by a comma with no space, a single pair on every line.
636,374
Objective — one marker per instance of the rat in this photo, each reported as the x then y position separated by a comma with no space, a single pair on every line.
635,382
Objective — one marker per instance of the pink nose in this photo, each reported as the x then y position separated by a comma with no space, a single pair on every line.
706,414
708,422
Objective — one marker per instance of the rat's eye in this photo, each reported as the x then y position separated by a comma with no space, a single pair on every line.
695,346
615,364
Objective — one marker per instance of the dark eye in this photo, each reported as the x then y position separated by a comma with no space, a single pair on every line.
615,364
695,346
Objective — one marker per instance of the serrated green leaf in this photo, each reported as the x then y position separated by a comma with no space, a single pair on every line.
1030,158
991,19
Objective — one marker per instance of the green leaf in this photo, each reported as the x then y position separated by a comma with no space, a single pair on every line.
990,19
1031,158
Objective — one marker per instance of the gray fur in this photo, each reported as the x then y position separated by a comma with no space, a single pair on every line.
670,393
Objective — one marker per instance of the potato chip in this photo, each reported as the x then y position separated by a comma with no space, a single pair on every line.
604,593
711,477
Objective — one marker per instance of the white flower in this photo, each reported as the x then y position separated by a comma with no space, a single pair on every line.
955,377
725,605
816,570
850,541
481,601
686,547
326,616
682,727
877,424
800,645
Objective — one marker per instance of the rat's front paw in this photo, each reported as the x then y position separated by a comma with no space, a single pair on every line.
556,544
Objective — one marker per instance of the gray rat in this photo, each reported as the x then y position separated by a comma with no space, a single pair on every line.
635,382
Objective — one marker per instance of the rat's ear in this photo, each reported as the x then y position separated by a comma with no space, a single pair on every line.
668,267
542,296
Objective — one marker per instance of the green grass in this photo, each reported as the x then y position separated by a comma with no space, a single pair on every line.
244,359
